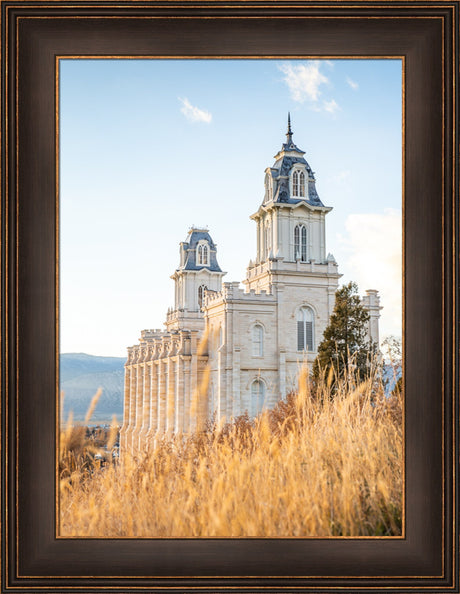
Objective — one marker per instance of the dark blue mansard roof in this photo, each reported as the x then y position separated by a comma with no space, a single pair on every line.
190,251
281,170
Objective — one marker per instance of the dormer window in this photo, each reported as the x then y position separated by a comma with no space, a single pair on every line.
268,187
298,184
202,254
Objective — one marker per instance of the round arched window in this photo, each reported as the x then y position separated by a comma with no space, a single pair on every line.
257,397
257,341
305,329
201,291
300,243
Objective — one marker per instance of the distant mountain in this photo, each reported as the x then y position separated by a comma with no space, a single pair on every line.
81,375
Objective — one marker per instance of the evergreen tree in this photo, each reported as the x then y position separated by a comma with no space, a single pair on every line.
345,339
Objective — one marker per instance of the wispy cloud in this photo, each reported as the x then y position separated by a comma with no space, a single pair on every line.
305,82
193,113
330,106
354,85
373,244
343,178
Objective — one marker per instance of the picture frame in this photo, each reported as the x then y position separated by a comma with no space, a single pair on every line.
35,35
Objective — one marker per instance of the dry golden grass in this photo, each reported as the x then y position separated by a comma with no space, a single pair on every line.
316,465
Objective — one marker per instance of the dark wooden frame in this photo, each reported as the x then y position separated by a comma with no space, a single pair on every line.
425,34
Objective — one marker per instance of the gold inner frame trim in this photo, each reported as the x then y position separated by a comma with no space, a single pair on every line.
58,411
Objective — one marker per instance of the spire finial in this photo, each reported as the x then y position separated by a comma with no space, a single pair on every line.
289,131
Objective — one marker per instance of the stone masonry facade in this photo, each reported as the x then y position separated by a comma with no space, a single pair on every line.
227,350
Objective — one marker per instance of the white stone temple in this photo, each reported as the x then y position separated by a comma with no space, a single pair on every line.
228,349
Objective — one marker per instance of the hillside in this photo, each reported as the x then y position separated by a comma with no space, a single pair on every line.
80,377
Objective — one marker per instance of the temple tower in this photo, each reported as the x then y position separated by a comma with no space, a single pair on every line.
198,272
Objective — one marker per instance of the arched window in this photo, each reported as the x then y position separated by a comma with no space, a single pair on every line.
212,401
302,184
295,183
203,254
267,241
303,244
305,329
296,242
268,187
201,290
257,341
257,397
300,242
298,184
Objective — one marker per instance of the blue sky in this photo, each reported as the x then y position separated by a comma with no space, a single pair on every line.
150,147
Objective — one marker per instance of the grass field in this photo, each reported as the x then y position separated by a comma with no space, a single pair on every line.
319,464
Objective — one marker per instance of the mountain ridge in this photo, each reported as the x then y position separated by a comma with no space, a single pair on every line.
81,375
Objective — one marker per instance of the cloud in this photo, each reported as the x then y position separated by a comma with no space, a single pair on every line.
304,80
354,85
330,106
343,178
194,114
373,248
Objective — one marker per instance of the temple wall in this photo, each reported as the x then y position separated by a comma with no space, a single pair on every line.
165,389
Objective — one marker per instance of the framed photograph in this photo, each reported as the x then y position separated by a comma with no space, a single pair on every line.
71,69
230,361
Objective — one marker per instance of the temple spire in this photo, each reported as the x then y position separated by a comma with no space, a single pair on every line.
289,131
289,144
